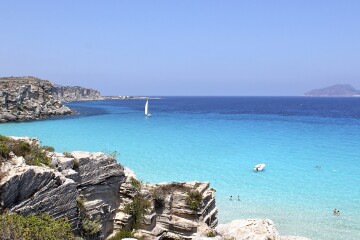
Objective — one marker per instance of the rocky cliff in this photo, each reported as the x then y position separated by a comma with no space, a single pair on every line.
28,98
338,90
76,93
100,197
83,187
170,216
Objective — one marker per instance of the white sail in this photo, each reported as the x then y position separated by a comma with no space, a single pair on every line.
146,107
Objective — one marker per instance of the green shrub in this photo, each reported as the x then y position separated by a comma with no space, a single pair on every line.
90,227
34,227
4,150
68,155
33,154
137,209
49,148
23,148
122,233
211,233
3,138
161,191
80,202
136,184
193,199
37,157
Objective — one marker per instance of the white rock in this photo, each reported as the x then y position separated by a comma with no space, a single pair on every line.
249,229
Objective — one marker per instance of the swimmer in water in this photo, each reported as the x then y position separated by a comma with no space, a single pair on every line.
336,212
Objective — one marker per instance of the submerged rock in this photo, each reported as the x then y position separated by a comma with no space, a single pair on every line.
293,238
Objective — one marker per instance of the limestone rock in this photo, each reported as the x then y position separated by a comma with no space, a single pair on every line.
31,189
28,98
76,93
248,229
100,177
95,177
169,215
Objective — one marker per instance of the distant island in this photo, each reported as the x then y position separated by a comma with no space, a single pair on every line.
338,90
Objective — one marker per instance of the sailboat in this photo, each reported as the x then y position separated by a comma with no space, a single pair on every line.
147,113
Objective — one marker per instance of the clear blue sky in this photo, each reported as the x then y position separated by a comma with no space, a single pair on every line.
183,47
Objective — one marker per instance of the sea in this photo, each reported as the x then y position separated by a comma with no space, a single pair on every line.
310,145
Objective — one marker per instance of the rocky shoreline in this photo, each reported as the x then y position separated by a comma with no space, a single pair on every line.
28,98
84,186
75,93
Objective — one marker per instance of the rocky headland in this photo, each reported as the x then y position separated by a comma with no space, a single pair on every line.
92,189
338,90
75,93
28,98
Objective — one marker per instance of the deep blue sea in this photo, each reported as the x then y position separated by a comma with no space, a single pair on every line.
220,139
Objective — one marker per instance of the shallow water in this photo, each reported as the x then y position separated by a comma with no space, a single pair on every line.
220,139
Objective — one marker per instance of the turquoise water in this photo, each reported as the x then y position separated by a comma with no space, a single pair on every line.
220,140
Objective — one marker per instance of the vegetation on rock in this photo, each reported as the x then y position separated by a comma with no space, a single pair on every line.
193,199
80,202
211,233
137,209
33,154
139,205
68,155
49,148
90,227
34,227
136,184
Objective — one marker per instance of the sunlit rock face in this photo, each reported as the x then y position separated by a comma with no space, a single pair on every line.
76,93
28,98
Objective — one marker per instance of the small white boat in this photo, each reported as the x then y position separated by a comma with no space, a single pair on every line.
147,113
259,167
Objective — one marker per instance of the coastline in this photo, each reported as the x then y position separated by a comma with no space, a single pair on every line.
179,129
88,174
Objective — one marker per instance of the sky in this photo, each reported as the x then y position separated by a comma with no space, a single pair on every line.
183,47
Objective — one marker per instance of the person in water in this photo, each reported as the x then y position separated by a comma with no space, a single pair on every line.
238,198
336,212
230,198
